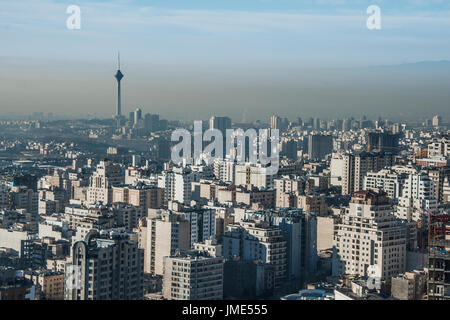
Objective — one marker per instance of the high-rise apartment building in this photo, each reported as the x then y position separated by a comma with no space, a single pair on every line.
102,180
437,120
316,124
152,122
275,122
289,149
105,266
193,275
107,175
357,165
417,198
251,240
160,234
300,231
369,240
383,141
177,184
337,164
285,186
319,145
137,116
224,170
220,123
438,176
202,224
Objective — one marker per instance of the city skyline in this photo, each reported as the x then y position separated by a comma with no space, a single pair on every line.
228,154
431,68
242,60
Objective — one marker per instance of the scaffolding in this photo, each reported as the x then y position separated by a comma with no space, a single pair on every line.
438,280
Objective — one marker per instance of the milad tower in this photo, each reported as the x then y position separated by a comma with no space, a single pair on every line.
119,77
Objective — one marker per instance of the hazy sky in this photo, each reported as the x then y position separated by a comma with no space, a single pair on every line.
189,59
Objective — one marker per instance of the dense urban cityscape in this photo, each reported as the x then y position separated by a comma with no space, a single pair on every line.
96,209
138,205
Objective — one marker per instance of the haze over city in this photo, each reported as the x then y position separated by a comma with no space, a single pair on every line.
243,59
243,152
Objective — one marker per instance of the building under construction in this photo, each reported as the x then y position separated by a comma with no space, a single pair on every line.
438,281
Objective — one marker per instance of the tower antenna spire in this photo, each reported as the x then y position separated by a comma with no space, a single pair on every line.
118,59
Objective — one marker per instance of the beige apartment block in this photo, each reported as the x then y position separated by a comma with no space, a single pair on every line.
160,235
51,284
369,239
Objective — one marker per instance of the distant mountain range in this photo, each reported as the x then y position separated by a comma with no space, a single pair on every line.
417,65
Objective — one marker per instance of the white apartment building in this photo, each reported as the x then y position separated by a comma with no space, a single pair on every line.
386,180
337,165
439,147
418,195
177,184
224,170
446,190
369,240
